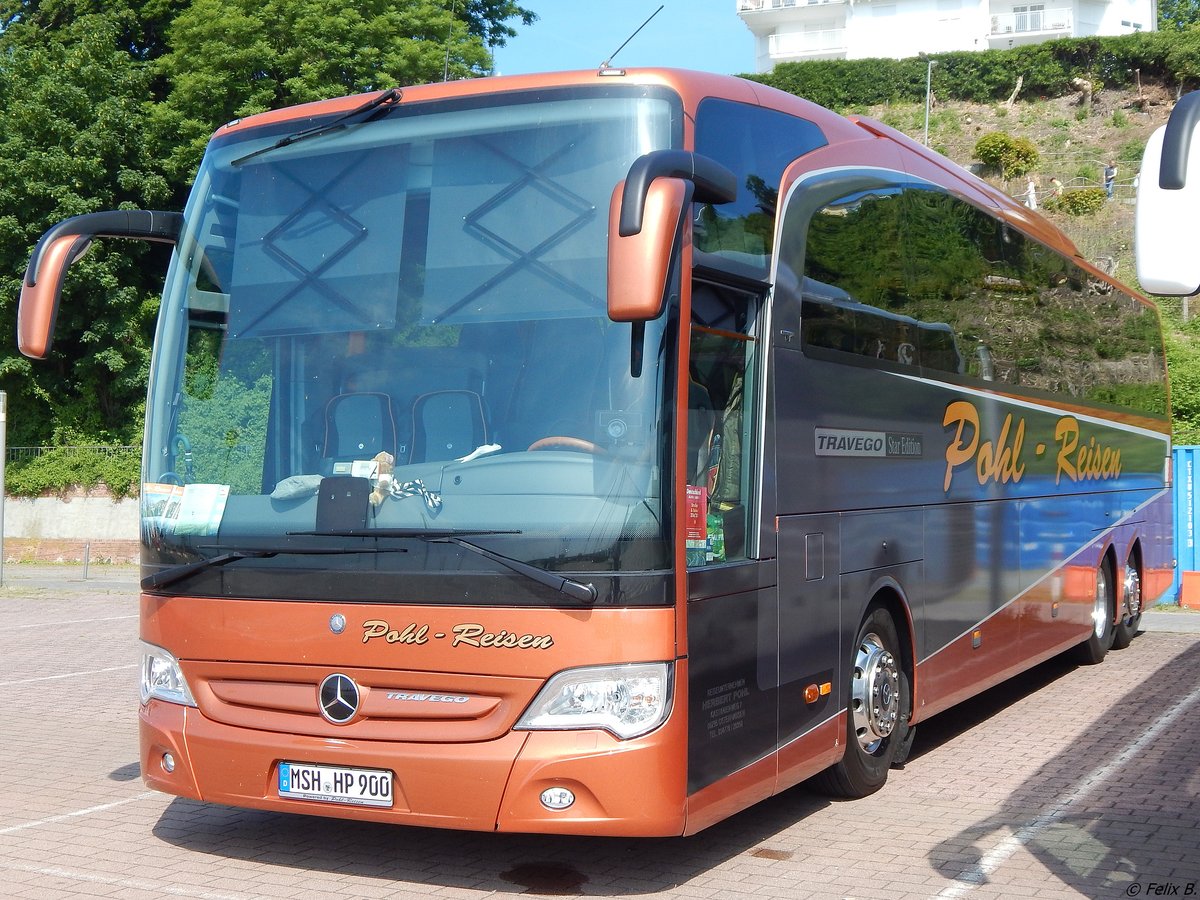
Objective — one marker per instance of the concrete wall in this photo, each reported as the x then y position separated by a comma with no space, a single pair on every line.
72,518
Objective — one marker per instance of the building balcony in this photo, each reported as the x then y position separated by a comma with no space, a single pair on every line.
762,5
765,17
1030,26
829,43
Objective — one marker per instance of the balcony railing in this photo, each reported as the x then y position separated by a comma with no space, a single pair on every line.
758,5
806,43
1033,20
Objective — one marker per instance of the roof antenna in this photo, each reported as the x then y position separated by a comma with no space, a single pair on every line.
605,65
449,38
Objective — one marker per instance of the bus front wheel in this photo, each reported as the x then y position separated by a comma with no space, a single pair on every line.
878,734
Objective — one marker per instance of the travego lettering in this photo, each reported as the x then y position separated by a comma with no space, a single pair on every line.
852,443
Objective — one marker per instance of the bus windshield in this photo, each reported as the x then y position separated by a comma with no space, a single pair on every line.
384,351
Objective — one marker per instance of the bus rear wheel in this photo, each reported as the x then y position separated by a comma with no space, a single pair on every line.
1093,650
878,734
1131,607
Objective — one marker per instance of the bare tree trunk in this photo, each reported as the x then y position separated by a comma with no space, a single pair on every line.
1012,98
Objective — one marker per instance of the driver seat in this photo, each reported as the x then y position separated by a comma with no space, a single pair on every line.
358,426
447,425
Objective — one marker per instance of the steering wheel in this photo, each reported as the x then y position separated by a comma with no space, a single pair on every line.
562,442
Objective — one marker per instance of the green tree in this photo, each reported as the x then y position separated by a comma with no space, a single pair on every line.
233,58
107,104
73,142
1178,15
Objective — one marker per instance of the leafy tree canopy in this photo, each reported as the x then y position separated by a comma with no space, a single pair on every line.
73,142
1178,15
232,58
107,104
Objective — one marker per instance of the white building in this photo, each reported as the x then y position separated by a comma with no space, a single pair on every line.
795,30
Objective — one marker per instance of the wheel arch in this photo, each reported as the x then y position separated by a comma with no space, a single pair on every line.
1135,557
1116,567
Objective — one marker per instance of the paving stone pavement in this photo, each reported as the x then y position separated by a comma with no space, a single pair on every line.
1066,782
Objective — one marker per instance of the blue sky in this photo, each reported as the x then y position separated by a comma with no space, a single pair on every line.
580,34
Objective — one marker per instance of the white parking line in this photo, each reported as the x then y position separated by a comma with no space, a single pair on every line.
25,826
977,875
156,888
70,622
68,675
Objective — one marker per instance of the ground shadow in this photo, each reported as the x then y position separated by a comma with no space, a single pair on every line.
536,864
1114,814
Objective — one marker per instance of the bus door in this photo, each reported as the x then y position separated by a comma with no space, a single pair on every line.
731,610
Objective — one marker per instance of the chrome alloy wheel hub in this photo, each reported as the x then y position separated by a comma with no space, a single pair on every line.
1100,609
1132,595
874,693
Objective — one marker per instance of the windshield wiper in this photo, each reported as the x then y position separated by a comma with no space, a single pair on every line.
386,100
576,590
430,533
186,570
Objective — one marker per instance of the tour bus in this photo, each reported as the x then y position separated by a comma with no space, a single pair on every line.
603,452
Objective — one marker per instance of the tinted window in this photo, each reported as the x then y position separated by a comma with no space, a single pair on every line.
1025,315
905,275
756,144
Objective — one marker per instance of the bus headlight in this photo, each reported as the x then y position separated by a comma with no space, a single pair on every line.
162,677
628,701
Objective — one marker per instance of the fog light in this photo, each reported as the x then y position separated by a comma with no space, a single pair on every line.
557,798
168,763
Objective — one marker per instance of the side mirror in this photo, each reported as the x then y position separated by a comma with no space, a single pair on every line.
63,245
639,264
1168,194
646,216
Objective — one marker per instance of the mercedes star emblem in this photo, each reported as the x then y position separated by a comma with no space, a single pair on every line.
338,699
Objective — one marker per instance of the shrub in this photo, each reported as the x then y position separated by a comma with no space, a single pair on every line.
1047,70
1131,153
1079,202
1010,156
62,468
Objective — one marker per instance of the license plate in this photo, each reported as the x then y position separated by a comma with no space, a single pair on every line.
334,784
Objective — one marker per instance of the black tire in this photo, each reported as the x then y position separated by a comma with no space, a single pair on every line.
878,735
1093,650
1131,607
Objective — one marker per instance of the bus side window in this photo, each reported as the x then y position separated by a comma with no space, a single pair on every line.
720,364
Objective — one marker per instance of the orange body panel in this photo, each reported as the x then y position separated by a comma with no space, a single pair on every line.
962,669
443,639
801,759
254,669
39,302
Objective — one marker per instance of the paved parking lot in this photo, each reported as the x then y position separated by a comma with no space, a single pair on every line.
1067,782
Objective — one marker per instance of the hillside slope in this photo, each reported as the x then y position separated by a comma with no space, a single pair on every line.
1074,142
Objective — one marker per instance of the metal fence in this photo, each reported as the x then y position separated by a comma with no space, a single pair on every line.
23,454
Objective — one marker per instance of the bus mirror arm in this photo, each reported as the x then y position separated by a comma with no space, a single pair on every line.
63,245
713,183
1177,141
